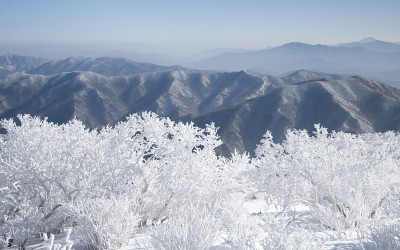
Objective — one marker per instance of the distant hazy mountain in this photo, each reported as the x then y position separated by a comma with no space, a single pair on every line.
299,55
370,57
103,65
212,53
367,40
13,63
372,44
355,104
62,51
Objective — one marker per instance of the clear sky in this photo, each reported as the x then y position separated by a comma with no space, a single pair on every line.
178,26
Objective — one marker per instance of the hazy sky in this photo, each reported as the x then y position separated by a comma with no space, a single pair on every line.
188,26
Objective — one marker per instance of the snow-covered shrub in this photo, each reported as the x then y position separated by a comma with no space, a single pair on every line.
234,188
50,244
4,241
105,223
150,171
386,236
241,228
194,226
51,173
279,232
272,231
343,178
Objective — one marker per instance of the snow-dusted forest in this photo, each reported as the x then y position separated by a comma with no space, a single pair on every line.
162,180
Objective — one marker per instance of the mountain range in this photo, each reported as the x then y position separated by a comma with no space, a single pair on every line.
101,91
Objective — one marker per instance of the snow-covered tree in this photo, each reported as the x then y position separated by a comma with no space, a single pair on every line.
343,178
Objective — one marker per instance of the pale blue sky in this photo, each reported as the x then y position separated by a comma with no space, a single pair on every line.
175,26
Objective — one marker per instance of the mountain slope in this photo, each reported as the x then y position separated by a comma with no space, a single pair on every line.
355,104
99,100
104,65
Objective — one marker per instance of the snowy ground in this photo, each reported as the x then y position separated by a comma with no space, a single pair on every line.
141,241
256,207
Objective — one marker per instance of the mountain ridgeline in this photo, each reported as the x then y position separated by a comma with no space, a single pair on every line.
244,105
103,65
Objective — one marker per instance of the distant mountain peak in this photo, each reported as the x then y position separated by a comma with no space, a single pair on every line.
304,76
303,71
368,40
295,44
298,72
